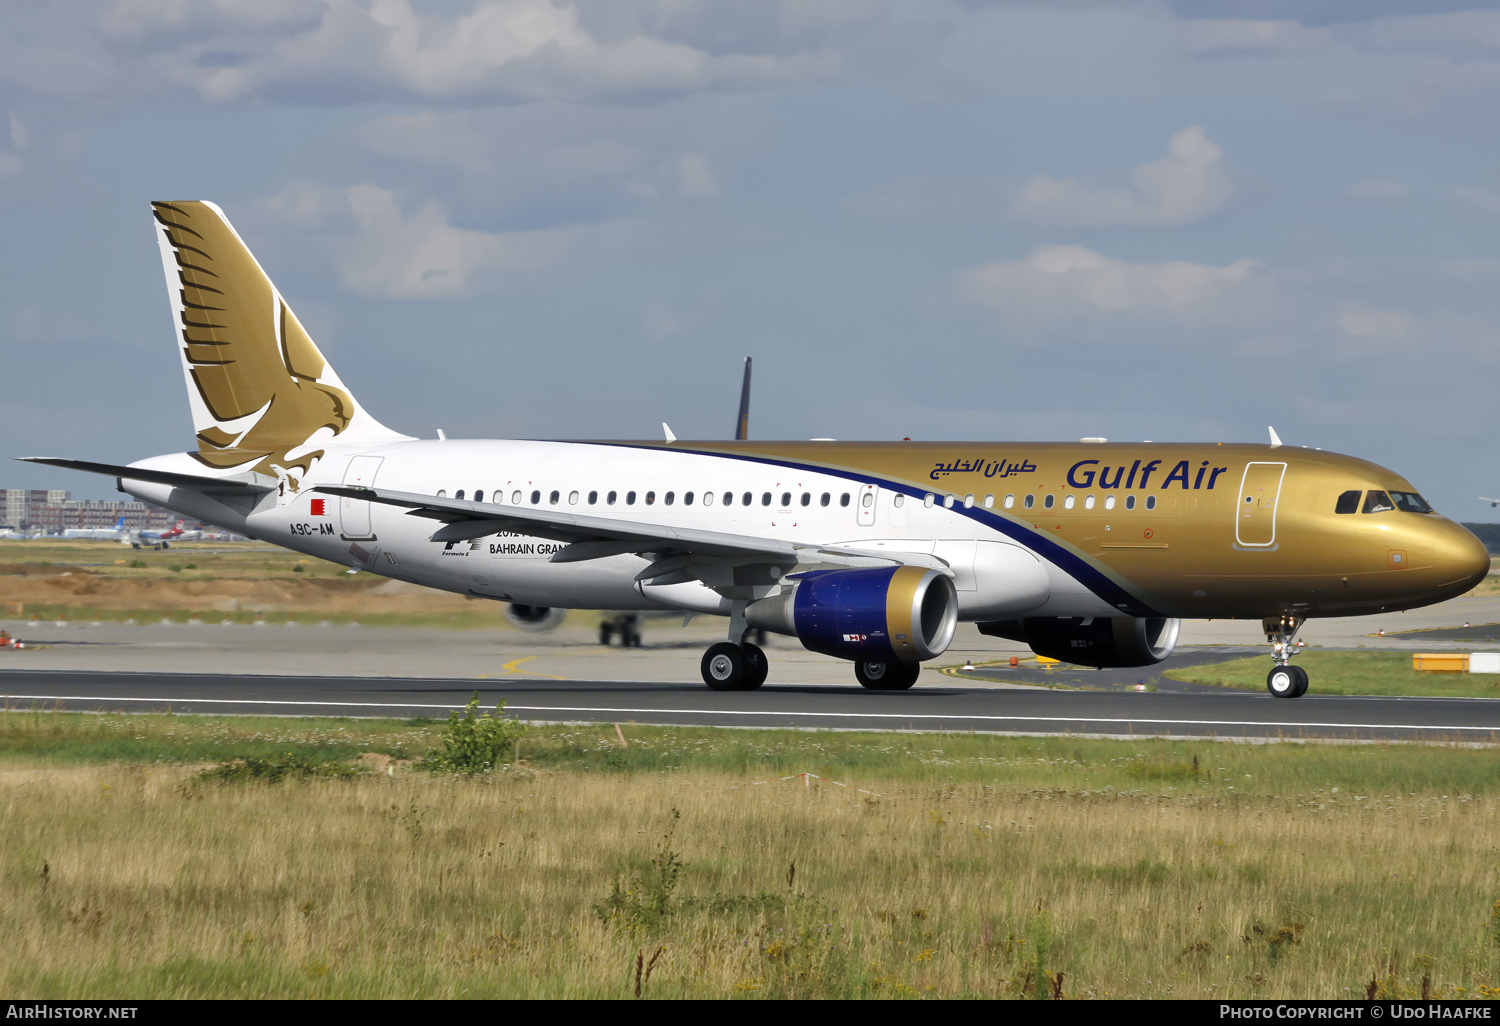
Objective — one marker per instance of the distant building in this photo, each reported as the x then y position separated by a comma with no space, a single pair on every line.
53,510
56,517
19,503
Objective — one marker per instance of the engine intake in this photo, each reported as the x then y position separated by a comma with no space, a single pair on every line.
1103,641
903,614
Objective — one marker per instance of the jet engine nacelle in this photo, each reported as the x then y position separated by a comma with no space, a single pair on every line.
1092,641
534,618
886,614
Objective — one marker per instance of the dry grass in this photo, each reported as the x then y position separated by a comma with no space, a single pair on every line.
242,581
1158,879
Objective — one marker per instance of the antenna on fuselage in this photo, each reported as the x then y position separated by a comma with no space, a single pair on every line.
742,422
1275,438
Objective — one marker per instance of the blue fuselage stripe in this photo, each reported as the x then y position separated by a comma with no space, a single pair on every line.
1069,562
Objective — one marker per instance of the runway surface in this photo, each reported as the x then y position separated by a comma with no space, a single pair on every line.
1223,714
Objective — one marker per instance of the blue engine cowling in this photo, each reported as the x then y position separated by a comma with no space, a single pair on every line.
887,614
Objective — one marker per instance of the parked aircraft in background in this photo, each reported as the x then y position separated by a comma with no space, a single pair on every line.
868,551
111,533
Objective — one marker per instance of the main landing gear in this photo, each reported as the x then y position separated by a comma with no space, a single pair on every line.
730,667
892,676
1284,680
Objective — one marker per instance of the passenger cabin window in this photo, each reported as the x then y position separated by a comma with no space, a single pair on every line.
1410,502
1348,502
1150,502
1030,501
1048,502
687,499
459,494
536,497
1088,502
807,498
729,499
554,497
786,500
593,498
442,493
572,498
1068,502
669,498
928,500
898,501
650,498
746,499
630,498
1378,502
1109,502
479,495
1010,500
765,498
867,500
610,498
515,497
825,499
1130,502
844,499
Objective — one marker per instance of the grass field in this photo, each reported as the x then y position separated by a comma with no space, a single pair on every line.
1348,673
680,863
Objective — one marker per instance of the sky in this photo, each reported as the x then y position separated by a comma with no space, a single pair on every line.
968,221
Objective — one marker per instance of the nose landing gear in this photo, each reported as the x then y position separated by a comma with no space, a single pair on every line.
1284,680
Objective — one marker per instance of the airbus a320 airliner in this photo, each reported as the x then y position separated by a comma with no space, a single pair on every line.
1091,553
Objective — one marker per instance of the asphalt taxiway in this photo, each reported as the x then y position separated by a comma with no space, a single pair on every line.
567,676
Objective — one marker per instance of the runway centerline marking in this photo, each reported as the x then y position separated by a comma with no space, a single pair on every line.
989,718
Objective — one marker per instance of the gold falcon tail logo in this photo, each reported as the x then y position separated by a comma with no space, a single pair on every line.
264,386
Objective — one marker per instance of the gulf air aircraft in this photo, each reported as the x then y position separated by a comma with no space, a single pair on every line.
1091,553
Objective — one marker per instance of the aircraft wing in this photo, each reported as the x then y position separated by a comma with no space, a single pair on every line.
242,484
590,537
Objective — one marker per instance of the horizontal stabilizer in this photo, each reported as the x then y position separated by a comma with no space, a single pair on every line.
241,484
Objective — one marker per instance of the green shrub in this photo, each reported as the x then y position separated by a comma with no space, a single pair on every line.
476,742
274,769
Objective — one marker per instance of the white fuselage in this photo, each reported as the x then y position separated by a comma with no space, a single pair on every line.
995,576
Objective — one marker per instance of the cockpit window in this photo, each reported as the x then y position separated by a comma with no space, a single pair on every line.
1348,502
1411,502
1377,502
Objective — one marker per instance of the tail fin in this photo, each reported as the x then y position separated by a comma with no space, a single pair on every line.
263,396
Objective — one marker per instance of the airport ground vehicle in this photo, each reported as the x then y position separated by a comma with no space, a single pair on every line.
867,551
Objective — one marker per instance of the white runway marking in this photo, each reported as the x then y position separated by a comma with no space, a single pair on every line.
762,712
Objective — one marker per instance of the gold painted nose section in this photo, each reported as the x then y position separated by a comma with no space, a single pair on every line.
1460,558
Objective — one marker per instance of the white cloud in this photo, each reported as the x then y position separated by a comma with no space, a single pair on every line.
20,135
381,252
360,50
1378,189
1436,336
695,179
1472,269
1069,284
441,138
661,322
1481,198
1188,183
1224,35
1374,325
